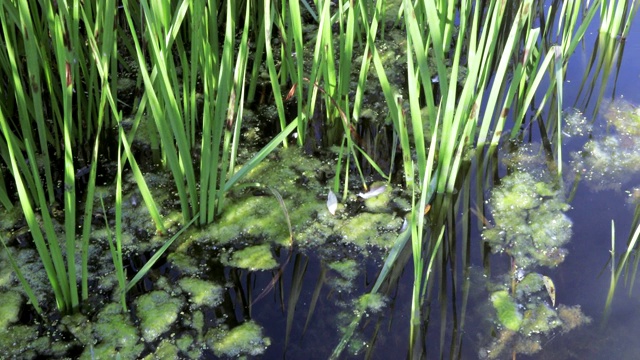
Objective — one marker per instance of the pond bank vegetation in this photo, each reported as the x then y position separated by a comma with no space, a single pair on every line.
160,160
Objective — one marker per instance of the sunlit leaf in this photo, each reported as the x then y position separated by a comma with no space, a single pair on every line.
551,289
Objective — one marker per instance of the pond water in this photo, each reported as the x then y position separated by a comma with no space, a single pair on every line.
298,301
582,279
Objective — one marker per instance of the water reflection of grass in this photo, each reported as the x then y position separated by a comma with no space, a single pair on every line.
469,69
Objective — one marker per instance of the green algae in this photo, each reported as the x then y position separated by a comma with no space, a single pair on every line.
572,317
607,161
184,343
10,303
165,350
348,269
245,339
6,271
202,292
79,326
197,322
380,202
186,264
22,341
507,310
157,311
530,284
624,116
540,319
531,228
115,335
254,258
372,302
530,224
366,229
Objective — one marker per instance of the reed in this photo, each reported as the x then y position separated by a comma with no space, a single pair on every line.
473,69
63,95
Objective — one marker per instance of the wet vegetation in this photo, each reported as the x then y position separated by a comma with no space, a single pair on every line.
174,173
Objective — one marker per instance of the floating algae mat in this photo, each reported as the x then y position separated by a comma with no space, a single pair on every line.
193,304
531,228
610,160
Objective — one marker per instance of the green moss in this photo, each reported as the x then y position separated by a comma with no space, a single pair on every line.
507,310
10,303
157,311
253,258
245,339
202,292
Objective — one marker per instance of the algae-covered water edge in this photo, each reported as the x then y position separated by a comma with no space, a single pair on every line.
199,300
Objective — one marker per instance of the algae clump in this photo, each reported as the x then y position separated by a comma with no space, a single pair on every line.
507,310
253,258
10,303
202,292
245,339
115,334
157,311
